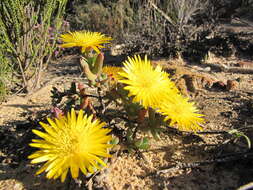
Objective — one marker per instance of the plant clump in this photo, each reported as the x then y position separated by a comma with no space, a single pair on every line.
133,101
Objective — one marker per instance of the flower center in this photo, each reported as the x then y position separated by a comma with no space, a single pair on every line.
145,83
69,144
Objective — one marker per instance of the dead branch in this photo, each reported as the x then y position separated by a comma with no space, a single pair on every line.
162,13
239,70
246,187
233,157
228,69
170,129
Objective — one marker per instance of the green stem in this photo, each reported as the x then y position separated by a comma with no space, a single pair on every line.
86,69
151,114
98,64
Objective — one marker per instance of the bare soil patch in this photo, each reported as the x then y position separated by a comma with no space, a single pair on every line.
226,106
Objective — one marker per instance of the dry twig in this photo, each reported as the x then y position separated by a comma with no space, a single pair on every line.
246,187
233,157
162,13
228,69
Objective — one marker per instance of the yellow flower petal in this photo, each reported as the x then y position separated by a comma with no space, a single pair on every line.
64,175
43,158
74,168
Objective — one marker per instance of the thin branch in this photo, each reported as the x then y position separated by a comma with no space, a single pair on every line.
93,96
102,105
199,133
246,187
179,166
227,69
211,132
162,13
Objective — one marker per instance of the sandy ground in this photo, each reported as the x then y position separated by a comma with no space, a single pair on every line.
223,109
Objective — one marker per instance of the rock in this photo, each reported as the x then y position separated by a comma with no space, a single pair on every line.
117,49
245,64
231,85
18,186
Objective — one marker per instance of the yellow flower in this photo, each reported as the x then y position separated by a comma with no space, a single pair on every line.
85,39
71,142
147,84
181,113
112,72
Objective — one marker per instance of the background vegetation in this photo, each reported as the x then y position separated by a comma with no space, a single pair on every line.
29,30
158,27
5,70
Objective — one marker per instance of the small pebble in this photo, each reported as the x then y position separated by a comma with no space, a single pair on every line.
231,85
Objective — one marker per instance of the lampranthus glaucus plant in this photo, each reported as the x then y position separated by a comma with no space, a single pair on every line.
72,142
85,40
148,85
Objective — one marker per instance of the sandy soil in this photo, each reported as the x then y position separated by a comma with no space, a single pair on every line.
224,109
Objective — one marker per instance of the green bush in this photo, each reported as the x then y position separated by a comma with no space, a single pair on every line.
27,33
5,71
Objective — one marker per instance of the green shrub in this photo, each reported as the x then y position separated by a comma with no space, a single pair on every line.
5,71
26,30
